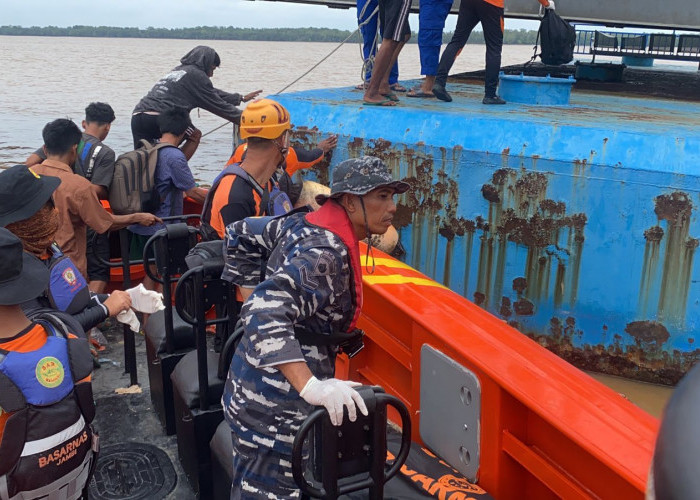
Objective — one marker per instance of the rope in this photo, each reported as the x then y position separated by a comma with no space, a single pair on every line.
332,51
367,64
217,128
359,26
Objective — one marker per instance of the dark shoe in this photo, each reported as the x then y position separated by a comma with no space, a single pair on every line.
493,100
442,94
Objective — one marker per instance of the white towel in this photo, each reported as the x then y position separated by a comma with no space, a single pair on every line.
145,301
129,317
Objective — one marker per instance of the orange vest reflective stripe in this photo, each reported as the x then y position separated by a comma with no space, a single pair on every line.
292,160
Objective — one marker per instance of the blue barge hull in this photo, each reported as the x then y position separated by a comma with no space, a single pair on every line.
577,225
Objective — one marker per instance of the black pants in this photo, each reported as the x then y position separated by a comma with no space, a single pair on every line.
144,126
97,271
471,13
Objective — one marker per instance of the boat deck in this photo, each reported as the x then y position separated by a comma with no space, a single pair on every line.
600,126
129,418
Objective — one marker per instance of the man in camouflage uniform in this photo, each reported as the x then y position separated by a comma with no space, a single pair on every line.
295,319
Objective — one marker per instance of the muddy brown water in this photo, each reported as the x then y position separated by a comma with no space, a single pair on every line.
651,398
44,78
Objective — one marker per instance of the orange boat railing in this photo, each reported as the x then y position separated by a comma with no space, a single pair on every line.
548,430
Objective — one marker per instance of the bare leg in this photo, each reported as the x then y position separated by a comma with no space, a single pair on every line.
384,87
427,86
380,73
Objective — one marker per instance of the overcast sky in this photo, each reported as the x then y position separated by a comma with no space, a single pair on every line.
186,13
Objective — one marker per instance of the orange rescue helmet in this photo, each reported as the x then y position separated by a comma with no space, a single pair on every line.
264,118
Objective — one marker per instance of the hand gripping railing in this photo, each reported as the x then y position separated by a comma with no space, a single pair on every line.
350,451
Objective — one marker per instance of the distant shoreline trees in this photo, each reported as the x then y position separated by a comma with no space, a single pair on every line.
230,33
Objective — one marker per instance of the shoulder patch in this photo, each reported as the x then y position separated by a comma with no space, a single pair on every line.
323,266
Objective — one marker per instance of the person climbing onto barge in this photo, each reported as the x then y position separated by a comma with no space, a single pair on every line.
296,159
297,318
243,189
187,86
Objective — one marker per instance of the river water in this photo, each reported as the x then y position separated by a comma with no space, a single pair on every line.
45,78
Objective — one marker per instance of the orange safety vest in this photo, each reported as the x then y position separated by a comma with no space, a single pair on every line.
292,163
292,160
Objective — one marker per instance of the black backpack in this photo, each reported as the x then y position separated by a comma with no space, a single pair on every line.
558,39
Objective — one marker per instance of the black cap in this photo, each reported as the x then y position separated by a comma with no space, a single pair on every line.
23,193
22,276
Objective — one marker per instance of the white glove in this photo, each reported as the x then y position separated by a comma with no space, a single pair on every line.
129,317
551,5
334,394
145,301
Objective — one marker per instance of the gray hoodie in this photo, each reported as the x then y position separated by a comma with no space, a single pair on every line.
188,86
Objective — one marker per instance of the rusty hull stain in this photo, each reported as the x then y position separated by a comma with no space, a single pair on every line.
675,210
644,360
521,213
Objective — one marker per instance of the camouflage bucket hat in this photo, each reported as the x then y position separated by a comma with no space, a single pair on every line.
360,176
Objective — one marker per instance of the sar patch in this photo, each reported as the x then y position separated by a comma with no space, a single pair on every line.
50,372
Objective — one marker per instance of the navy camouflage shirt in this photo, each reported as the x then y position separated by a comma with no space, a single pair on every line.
308,283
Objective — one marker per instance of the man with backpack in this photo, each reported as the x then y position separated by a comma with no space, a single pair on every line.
245,189
472,12
47,446
172,177
75,198
95,162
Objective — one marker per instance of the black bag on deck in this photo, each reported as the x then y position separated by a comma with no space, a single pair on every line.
558,39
